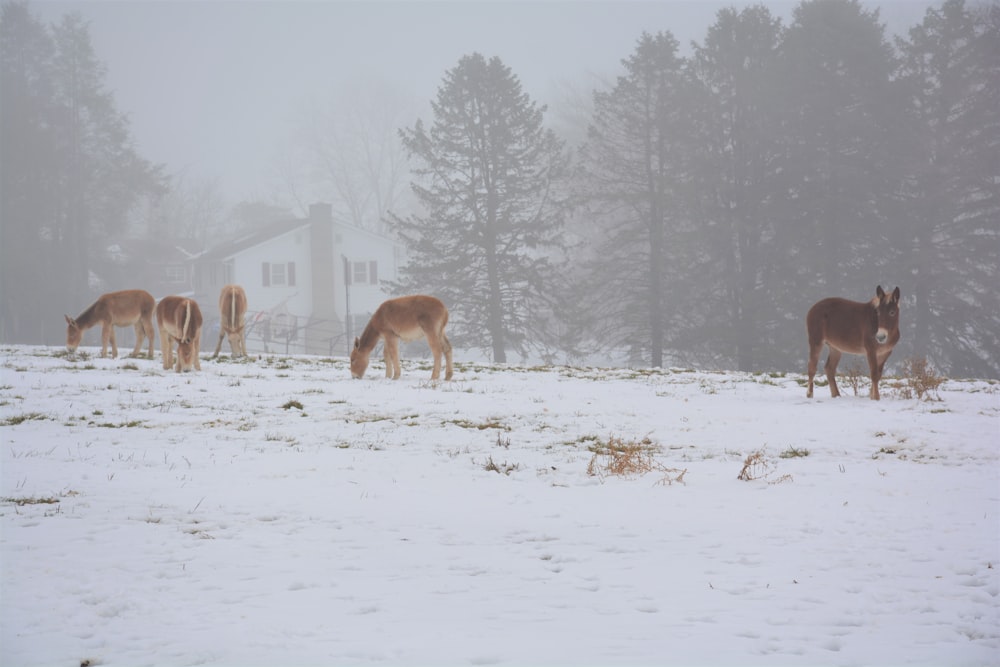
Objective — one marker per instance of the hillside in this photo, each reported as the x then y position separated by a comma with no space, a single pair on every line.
274,511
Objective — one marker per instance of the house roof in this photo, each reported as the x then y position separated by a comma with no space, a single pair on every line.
273,230
150,251
241,243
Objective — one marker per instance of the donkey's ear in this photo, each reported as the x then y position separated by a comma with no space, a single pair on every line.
879,292
70,321
895,295
357,342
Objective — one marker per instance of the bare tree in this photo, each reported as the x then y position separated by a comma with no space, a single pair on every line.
346,150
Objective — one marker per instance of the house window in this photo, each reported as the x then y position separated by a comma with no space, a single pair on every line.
278,274
365,272
175,274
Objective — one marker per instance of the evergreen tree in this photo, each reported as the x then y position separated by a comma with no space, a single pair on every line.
736,175
27,181
951,69
77,173
840,125
487,174
631,181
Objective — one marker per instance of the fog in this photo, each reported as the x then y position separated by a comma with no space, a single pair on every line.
681,203
214,90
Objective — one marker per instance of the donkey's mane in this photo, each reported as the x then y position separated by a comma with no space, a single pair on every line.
369,337
88,315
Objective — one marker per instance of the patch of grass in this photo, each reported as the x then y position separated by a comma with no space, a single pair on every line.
21,502
480,426
630,459
20,419
292,404
856,377
793,453
759,466
501,468
246,425
275,437
590,439
371,418
135,423
919,380
130,366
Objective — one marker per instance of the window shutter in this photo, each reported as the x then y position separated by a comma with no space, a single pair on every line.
373,273
265,269
291,274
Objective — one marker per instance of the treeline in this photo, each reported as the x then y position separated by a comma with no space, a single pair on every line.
718,195
70,174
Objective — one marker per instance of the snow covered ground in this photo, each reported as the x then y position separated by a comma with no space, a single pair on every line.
276,512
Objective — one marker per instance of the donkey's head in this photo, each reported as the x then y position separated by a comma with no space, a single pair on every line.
186,355
74,334
887,312
359,361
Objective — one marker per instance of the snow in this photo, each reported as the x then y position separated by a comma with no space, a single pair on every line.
276,512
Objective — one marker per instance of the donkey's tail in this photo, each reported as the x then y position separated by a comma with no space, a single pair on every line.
187,321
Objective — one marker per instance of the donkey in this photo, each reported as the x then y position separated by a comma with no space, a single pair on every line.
232,310
869,328
405,318
127,308
180,320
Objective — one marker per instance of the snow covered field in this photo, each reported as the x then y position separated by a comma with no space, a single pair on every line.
276,512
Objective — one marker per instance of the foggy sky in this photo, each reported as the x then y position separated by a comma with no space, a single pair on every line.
213,89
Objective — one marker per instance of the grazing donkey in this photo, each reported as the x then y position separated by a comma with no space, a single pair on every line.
127,308
869,328
180,320
405,318
232,311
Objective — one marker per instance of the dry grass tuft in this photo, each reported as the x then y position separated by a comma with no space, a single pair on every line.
630,459
919,380
759,466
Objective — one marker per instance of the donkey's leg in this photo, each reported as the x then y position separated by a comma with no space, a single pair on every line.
196,347
165,348
831,370
107,332
218,346
814,352
875,368
447,356
147,325
435,344
390,347
397,364
139,336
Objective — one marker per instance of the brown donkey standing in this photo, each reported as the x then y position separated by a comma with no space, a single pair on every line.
180,320
869,328
405,318
127,308
232,311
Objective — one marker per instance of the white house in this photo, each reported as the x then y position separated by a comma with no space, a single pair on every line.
311,283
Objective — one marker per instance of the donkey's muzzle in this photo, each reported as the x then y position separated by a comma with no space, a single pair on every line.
882,336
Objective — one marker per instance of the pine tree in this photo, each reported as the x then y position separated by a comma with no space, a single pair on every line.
839,119
77,172
631,180
736,176
486,176
951,70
